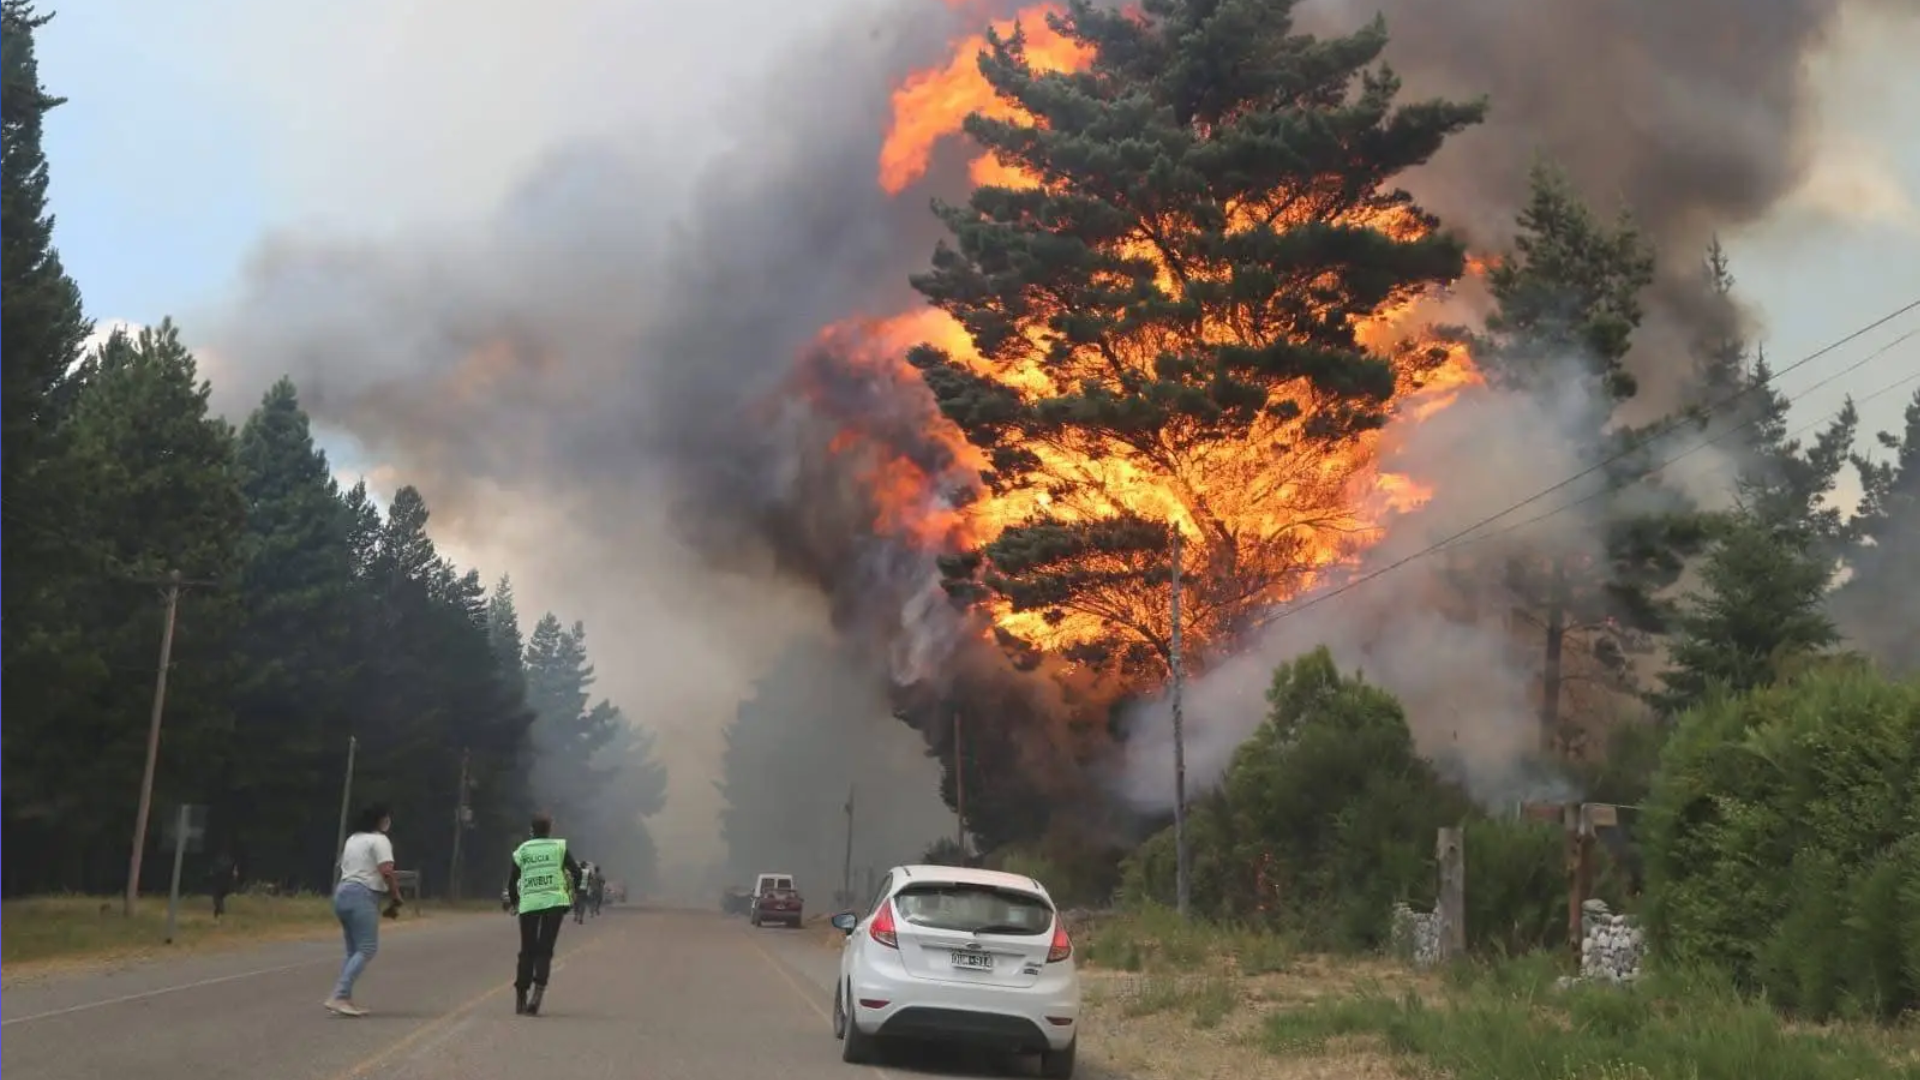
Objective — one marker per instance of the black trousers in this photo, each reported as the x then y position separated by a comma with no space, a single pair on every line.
539,932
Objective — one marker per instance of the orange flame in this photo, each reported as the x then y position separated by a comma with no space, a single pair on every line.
931,105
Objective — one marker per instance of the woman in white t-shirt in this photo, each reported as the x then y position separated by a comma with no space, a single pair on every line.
366,883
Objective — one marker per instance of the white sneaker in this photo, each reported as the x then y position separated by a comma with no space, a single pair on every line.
342,1007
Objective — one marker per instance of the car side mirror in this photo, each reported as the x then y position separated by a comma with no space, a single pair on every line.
845,922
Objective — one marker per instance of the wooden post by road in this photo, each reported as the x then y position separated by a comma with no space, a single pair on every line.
1579,874
1449,848
174,582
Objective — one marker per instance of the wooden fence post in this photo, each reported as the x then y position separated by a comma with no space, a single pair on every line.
1452,905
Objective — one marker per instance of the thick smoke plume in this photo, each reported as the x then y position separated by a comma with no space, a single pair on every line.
597,386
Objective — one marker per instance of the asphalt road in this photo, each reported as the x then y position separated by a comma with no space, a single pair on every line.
636,994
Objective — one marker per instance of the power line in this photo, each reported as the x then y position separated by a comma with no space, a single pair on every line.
1640,444
1715,440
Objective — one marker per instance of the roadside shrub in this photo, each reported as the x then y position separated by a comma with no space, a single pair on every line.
1779,842
1325,817
1516,885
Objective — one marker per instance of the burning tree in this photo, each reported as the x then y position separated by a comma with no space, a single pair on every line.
1175,302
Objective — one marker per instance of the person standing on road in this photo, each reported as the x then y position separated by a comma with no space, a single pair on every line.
597,890
580,894
366,882
221,881
542,884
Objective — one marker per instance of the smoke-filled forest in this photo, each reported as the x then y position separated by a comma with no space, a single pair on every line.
1433,387
307,616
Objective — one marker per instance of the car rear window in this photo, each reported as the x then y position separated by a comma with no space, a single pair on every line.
974,909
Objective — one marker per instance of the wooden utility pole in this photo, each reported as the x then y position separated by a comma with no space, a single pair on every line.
959,791
459,827
1452,907
1183,884
846,865
346,798
174,583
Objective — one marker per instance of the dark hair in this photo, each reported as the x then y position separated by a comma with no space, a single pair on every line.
542,824
371,816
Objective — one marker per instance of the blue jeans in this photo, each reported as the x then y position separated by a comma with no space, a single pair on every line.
358,909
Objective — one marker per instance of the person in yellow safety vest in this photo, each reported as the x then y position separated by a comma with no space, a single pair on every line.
541,885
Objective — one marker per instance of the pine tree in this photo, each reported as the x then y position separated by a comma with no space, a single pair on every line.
363,534
299,650
42,328
148,477
1166,326
1876,605
1762,606
503,630
569,732
1568,305
41,331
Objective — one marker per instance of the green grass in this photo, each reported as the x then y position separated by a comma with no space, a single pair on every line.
1208,999
1153,938
1506,1021
52,928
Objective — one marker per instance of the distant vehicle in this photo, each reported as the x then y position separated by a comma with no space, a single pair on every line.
775,899
955,954
736,900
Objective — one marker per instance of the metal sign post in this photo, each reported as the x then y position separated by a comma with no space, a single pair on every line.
185,835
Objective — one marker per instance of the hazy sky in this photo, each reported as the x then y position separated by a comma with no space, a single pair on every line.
196,127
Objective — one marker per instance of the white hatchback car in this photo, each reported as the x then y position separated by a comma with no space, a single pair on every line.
957,955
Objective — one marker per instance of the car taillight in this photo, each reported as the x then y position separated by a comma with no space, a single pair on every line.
1062,946
881,928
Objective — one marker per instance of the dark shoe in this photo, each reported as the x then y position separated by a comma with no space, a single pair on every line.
533,1000
519,1001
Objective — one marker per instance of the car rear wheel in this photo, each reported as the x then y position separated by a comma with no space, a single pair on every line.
856,1047
1058,1064
839,1013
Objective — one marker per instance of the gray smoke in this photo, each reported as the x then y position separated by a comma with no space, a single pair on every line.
1691,115
596,385
1428,625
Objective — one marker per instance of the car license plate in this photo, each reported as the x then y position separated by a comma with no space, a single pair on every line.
978,961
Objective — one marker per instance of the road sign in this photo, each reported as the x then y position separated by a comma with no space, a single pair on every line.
196,833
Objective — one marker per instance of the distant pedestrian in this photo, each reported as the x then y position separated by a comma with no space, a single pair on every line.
597,890
222,879
542,884
367,883
580,893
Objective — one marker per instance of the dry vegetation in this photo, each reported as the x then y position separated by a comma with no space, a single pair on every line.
1171,1002
49,933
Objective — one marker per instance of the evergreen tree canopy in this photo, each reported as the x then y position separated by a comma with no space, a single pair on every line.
149,489
1567,299
1762,605
298,657
1877,604
594,767
1167,310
